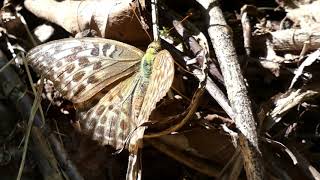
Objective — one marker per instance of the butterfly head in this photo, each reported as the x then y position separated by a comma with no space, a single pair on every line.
154,47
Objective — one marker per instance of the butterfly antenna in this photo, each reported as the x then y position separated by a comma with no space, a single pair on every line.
185,18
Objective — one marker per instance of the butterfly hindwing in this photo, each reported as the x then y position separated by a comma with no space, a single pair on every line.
80,68
110,121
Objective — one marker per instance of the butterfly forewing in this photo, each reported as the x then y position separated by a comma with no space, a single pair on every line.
160,81
80,68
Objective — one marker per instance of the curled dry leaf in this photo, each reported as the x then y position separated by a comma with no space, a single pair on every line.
111,19
308,62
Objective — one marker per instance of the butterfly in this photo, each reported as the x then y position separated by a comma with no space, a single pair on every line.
113,85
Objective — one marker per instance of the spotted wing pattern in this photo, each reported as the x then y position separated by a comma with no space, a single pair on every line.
111,120
129,104
80,68
83,68
159,84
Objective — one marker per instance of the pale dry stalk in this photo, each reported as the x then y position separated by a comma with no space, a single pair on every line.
221,38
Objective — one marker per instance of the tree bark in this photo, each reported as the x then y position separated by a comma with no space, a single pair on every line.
221,38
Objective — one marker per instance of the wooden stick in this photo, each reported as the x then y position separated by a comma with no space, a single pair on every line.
221,38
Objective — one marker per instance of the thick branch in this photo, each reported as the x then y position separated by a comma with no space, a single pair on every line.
288,40
221,39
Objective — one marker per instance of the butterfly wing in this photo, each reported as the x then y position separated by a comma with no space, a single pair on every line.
160,81
80,68
110,121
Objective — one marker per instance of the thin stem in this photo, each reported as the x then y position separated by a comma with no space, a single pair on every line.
154,15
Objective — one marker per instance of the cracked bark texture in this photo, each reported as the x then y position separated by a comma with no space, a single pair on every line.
221,38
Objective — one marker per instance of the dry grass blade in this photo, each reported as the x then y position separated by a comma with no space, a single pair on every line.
35,106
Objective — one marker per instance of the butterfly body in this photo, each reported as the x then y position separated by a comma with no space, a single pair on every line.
114,86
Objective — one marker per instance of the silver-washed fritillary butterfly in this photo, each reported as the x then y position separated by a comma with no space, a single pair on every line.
114,86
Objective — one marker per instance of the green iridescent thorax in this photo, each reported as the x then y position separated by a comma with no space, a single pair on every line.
148,58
